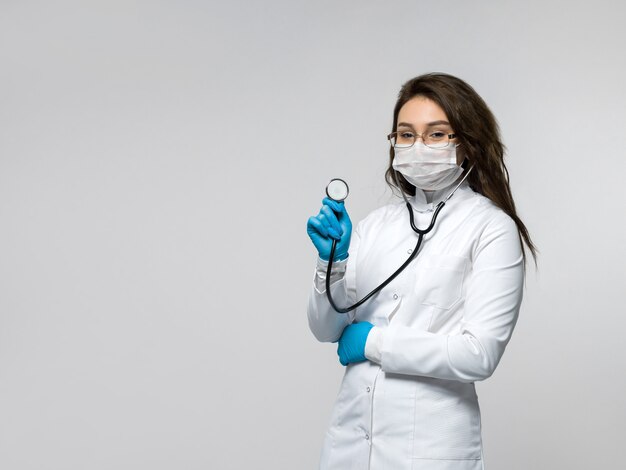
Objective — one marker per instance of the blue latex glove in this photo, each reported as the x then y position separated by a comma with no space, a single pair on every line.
331,222
351,346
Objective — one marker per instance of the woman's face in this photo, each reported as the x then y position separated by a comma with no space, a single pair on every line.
422,115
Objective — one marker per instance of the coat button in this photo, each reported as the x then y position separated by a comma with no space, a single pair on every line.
367,437
395,296
368,389
409,251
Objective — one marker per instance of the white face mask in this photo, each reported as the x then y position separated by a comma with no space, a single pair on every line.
426,168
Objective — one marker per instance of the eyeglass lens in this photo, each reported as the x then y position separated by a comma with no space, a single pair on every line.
431,138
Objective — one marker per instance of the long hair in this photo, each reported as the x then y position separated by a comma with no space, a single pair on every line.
478,134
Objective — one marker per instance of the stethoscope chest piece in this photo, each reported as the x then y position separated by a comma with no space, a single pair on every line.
337,189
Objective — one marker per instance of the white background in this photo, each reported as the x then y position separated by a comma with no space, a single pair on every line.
158,162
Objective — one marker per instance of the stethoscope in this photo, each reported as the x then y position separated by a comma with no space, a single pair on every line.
338,190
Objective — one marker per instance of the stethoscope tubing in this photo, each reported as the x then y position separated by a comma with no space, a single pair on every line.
420,238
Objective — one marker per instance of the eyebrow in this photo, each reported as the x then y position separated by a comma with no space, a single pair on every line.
430,124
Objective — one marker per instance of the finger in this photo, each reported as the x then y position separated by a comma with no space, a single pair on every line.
318,226
344,218
331,217
332,232
337,207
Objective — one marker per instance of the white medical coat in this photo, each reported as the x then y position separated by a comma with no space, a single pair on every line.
442,324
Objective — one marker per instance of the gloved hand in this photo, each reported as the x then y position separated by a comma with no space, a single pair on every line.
331,222
351,346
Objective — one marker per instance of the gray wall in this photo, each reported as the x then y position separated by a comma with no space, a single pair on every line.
158,162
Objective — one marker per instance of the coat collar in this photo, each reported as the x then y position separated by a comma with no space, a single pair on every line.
420,201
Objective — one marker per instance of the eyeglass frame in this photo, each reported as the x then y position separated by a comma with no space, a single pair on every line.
421,136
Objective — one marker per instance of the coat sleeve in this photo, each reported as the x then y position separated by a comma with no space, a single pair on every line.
494,295
325,323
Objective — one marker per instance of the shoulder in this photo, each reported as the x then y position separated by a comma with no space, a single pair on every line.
495,228
492,216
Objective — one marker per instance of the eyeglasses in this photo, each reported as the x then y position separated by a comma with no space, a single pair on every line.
435,139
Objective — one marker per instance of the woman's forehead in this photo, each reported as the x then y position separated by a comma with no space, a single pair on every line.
421,111
422,108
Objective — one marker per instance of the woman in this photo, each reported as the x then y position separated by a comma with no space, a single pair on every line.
414,350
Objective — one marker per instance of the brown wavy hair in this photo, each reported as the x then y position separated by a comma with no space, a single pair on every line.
478,134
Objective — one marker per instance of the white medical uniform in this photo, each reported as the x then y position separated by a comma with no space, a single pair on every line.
442,324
